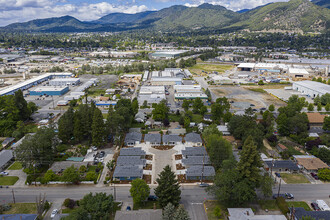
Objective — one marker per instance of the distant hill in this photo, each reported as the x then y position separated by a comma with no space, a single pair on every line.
322,3
295,15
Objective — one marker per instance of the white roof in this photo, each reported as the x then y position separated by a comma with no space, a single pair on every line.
298,71
48,88
323,206
316,86
166,79
246,65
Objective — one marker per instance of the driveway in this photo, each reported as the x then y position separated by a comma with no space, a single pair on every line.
21,175
160,160
107,158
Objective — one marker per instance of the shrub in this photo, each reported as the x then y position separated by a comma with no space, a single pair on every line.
69,203
91,176
29,179
47,205
324,174
283,206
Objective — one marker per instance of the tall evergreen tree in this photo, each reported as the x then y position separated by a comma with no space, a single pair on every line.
168,212
168,189
21,104
65,125
78,128
98,130
181,214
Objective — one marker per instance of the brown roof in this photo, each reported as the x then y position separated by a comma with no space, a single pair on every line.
312,163
282,146
104,98
315,117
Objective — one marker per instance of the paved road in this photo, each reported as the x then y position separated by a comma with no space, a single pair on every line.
205,86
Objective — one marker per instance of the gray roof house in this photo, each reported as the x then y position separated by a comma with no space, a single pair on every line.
194,139
171,139
132,151
60,166
18,217
195,172
140,117
195,160
131,160
128,172
194,151
133,138
153,139
142,214
281,165
7,142
318,215
5,157
248,214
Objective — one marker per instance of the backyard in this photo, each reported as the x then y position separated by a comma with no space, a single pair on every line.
294,178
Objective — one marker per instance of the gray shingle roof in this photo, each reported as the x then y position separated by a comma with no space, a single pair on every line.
282,164
18,217
171,138
7,141
153,138
132,151
128,171
194,151
133,136
193,137
5,157
130,160
318,215
196,160
62,165
197,171
142,214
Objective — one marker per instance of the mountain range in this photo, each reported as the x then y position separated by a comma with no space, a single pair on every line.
295,15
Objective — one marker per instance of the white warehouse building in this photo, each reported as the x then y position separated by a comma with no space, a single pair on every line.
311,88
64,81
151,94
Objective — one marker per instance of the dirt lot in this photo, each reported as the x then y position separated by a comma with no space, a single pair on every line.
105,80
243,97
200,67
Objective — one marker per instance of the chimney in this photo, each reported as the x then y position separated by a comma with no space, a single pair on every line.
247,213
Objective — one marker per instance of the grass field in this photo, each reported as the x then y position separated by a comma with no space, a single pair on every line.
15,166
8,180
214,210
268,204
257,90
199,68
22,208
294,178
299,204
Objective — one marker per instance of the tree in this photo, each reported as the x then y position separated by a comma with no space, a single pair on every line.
66,126
324,174
319,107
49,176
98,132
139,191
325,99
94,207
185,104
266,185
181,214
71,175
261,82
307,218
21,104
219,150
168,189
160,112
310,107
186,122
327,107
197,105
135,106
208,93
271,108
210,130
168,212
317,100
203,110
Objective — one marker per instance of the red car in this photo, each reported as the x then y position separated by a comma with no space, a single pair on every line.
315,206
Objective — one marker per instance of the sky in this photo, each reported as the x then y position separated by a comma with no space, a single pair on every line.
12,11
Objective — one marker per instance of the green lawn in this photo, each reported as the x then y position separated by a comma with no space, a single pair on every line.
68,210
257,90
198,68
299,204
197,118
15,166
173,117
268,204
294,178
214,209
8,180
22,208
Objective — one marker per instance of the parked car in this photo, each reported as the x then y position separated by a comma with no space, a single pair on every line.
203,185
152,198
285,195
128,208
54,212
4,173
315,206
278,175
314,175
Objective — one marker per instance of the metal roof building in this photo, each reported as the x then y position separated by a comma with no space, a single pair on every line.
49,90
311,88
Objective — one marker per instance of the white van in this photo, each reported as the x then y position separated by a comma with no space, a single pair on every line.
323,205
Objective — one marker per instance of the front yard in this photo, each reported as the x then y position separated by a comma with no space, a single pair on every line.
22,208
8,180
16,166
214,210
296,204
294,178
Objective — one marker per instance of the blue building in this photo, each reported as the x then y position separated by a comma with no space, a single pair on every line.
49,90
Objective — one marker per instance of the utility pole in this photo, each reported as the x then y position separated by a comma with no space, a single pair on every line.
279,188
203,169
12,191
114,191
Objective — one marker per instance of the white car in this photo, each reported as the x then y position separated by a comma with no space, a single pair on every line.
54,212
4,173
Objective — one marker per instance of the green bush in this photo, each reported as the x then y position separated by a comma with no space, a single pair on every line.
91,176
324,174
283,206
47,205
62,147
69,203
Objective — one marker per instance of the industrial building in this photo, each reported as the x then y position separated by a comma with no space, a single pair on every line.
49,90
311,88
151,94
298,73
33,82
189,92
165,54
64,81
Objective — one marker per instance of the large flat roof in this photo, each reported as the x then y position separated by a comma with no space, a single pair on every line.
316,86
48,88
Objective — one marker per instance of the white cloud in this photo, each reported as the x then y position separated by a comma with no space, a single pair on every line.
21,11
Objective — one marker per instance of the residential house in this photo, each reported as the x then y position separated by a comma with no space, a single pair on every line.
207,117
281,147
248,214
19,217
193,139
310,163
199,172
172,139
195,160
128,172
193,151
132,151
60,166
6,157
142,214
153,139
281,166
140,117
130,161
299,213
177,131
133,138
224,130
7,142
315,119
